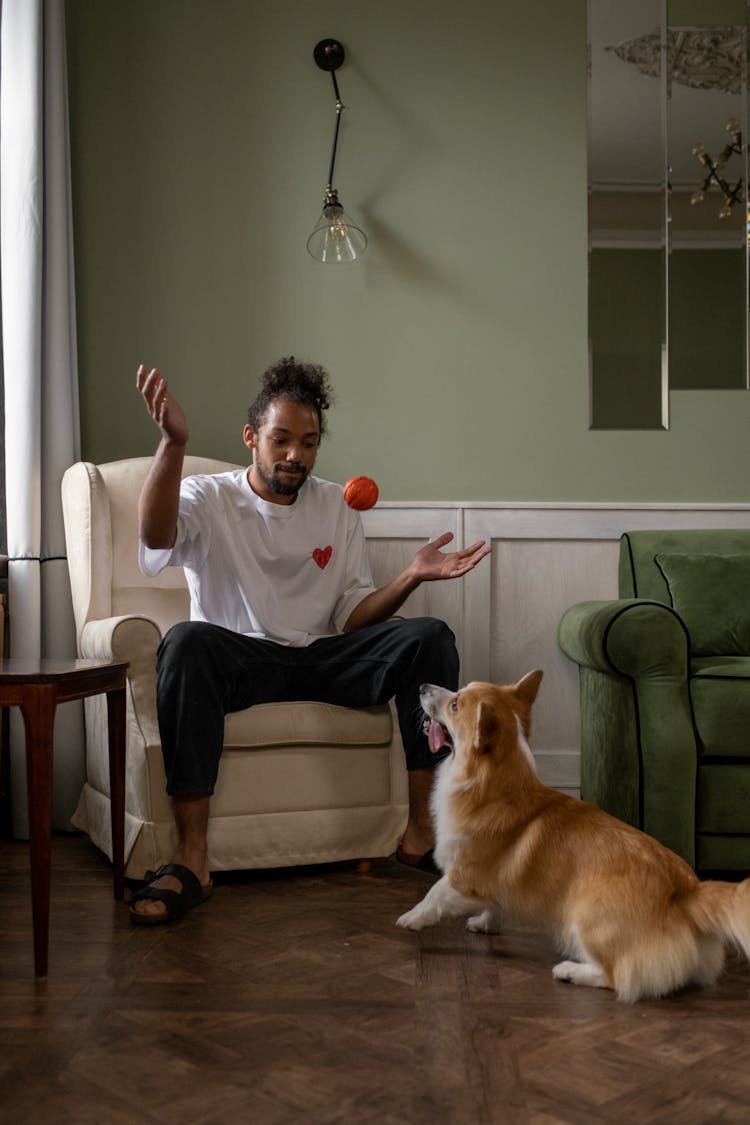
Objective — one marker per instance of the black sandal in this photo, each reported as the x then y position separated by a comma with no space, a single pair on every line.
177,903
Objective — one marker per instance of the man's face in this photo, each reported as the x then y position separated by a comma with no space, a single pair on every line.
284,450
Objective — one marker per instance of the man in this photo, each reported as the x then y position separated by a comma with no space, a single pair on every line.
282,606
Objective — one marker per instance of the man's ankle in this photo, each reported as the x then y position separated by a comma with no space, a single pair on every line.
417,839
195,859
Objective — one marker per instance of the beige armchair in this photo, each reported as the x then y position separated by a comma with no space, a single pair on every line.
298,783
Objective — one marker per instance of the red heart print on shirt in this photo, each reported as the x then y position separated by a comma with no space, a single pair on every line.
322,556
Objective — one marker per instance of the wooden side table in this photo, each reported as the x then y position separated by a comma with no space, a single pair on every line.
37,686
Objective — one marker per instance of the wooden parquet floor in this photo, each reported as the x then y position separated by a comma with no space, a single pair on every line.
291,997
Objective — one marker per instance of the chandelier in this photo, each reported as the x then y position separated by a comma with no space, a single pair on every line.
733,194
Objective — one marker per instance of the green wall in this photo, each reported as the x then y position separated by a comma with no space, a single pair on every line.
707,335
201,135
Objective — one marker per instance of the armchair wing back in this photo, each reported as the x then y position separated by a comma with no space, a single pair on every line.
665,692
298,783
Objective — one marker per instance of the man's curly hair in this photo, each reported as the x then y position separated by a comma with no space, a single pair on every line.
307,383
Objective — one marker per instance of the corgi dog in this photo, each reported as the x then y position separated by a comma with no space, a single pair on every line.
628,913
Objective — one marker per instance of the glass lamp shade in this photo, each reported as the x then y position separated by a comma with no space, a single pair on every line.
335,238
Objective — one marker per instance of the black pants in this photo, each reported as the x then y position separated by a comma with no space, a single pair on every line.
205,671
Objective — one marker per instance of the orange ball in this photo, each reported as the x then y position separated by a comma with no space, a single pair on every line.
361,493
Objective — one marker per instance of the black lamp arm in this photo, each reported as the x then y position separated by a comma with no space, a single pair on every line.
339,107
329,54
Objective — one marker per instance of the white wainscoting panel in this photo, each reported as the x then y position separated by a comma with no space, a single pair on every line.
545,557
394,536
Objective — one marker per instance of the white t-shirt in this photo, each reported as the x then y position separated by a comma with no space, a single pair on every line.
287,572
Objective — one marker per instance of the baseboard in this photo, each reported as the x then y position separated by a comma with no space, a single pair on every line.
560,769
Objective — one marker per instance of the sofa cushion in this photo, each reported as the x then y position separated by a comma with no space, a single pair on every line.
711,593
720,697
723,805
722,853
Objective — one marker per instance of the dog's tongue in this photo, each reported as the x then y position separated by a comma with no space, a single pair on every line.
436,735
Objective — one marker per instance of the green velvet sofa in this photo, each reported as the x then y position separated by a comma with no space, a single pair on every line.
665,693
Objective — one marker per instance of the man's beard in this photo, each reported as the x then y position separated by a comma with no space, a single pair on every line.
273,484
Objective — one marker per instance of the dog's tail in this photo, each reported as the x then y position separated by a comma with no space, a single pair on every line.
723,909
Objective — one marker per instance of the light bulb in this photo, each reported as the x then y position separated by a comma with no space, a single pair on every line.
335,238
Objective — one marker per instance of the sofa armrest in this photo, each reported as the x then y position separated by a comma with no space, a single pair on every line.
630,636
638,745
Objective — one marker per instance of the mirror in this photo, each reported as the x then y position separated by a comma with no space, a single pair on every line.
668,216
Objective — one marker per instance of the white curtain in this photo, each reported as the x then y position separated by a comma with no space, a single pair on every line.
39,365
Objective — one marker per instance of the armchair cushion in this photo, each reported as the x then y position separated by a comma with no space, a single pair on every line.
711,593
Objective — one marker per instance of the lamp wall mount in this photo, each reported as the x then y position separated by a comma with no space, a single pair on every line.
329,54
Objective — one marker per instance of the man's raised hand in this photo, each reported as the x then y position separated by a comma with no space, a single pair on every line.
162,406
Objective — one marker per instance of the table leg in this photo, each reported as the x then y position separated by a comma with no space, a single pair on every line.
38,710
116,726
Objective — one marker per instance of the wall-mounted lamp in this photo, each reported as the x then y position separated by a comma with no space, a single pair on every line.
335,237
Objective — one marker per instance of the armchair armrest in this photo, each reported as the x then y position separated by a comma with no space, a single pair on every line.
128,637
631,636
135,639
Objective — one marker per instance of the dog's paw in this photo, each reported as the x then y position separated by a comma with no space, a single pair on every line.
487,922
566,970
581,972
412,920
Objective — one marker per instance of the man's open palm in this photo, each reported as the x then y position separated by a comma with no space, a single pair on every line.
431,563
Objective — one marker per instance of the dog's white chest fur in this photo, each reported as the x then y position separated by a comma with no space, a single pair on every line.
446,836
447,785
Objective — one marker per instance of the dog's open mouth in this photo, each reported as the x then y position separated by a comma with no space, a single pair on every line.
437,735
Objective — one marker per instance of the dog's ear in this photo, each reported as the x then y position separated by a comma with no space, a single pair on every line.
485,727
527,687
